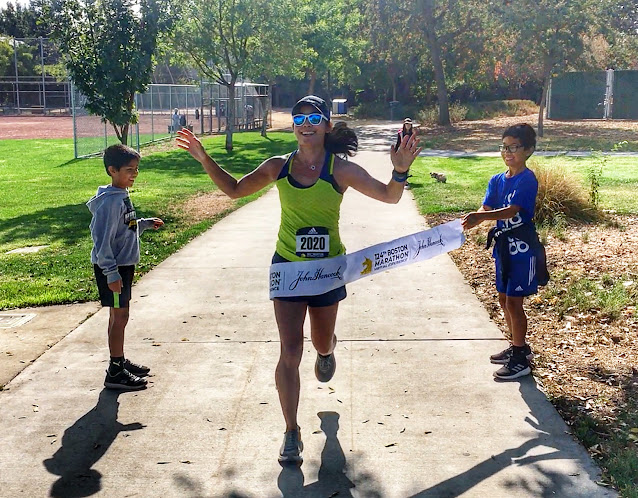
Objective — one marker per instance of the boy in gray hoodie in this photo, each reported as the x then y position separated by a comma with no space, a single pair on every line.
116,250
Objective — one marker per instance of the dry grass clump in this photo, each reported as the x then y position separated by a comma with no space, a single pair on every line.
561,196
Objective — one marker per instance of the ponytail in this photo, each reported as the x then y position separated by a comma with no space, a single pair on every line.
341,140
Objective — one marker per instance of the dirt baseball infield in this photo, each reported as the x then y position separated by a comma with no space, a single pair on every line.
29,127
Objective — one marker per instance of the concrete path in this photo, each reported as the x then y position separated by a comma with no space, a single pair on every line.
413,409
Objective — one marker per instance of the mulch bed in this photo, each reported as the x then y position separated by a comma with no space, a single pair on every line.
586,362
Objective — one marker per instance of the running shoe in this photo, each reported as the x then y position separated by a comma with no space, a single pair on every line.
504,356
516,367
325,367
136,369
291,448
124,381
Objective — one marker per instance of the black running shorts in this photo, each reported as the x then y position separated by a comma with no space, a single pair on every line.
319,301
107,296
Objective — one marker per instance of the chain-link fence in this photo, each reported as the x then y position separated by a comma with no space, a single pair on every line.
164,109
250,107
32,77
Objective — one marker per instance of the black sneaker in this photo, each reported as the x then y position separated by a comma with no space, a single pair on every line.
325,367
516,367
504,356
135,369
124,381
291,448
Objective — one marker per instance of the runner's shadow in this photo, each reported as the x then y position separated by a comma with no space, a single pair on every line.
83,444
536,480
332,479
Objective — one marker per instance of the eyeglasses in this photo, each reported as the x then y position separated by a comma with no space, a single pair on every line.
314,119
510,148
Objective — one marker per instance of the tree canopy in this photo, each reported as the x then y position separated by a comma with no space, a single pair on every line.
108,48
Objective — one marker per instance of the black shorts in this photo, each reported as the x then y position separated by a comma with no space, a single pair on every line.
319,301
107,296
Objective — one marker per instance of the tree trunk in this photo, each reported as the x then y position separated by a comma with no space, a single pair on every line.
313,81
394,89
437,63
121,132
547,74
230,115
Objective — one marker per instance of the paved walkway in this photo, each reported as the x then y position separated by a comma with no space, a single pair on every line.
413,409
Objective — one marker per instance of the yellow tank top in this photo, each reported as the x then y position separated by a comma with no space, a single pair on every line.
309,227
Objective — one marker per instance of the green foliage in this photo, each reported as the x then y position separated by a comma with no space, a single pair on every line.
23,21
108,48
332,38
499,108
43,203
376,110
430,115
479,110
232,38
27,55
606,297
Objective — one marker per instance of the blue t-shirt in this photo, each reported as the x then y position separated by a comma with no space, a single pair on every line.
519,190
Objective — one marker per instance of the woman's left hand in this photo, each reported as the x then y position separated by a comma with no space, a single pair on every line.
404,156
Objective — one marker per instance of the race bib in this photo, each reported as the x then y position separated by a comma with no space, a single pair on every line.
312,242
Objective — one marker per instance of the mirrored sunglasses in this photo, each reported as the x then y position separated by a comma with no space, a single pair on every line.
314,118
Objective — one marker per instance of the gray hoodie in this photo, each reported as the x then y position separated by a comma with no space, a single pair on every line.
115,230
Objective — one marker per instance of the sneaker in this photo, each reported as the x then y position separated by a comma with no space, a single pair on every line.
325,367
504,356
516,367
124,381
135,369
291,448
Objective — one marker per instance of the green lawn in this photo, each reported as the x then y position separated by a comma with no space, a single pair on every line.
44,192
467,179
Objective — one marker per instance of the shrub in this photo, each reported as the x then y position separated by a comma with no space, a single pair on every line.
560,195
499,108
430,115
377,110
381,110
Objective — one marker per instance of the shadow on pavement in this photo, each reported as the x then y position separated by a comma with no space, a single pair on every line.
332,479
545,482
83,444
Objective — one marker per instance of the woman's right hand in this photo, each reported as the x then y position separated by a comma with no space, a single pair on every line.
187,140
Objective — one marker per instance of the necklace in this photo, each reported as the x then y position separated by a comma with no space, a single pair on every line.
312,167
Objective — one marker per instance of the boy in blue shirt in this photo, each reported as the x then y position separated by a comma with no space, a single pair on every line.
116,250
510,199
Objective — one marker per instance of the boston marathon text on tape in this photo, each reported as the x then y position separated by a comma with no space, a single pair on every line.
313,277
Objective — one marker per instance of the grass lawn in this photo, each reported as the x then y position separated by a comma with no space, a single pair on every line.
43,203
467,180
